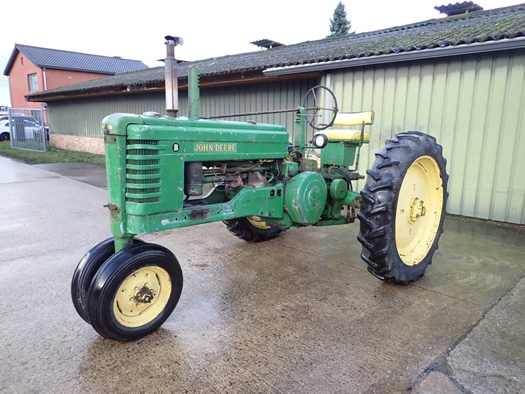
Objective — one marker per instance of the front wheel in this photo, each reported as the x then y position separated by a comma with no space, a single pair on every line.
403,207
86,270
134,292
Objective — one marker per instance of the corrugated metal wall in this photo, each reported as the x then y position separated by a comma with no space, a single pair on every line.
473,105
260,97
83,116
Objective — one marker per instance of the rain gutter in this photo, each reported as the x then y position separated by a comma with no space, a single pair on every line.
458,50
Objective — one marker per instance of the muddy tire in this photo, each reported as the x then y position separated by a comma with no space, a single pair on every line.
403,207
252,229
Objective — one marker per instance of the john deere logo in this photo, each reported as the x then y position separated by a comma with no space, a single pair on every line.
214,147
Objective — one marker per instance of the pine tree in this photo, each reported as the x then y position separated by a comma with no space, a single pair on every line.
340,25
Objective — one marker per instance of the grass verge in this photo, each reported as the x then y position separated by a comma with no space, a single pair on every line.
52,155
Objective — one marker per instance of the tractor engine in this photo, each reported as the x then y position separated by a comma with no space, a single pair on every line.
182,171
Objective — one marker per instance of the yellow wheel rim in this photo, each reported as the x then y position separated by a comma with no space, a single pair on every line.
419,209
257,222
142,296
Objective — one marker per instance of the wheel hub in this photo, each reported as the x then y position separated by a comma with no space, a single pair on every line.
143,295
417,209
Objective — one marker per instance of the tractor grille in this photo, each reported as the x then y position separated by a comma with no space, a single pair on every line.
143,142
142,171
141,162
143,181
142,191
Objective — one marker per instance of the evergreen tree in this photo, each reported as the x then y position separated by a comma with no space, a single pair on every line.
340,25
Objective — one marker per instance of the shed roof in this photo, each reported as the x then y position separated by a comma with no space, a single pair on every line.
498,26
73,61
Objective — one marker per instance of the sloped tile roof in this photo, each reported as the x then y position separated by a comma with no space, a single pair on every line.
73,61
497,25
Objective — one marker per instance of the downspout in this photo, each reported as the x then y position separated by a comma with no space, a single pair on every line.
328,84
44,107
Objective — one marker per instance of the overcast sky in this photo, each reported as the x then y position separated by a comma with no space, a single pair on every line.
134,30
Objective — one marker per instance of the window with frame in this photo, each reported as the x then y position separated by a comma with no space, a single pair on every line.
33,82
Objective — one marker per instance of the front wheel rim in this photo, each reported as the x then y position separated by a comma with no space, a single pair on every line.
142,296
419,210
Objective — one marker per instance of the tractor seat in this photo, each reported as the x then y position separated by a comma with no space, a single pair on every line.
351,119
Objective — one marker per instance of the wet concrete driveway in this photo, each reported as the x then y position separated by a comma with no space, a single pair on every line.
298,314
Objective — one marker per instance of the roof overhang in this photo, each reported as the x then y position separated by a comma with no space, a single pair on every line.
424,54
205,81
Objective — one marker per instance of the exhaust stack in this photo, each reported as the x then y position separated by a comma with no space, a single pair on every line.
170,65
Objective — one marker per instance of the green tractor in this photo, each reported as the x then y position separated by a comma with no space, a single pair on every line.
167,172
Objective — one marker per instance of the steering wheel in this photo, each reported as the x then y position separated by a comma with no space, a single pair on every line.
318,116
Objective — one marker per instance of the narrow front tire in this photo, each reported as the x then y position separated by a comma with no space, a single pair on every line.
86,270
134,292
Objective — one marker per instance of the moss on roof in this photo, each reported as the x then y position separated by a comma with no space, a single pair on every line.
466,29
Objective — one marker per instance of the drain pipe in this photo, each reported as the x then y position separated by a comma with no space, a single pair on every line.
170,76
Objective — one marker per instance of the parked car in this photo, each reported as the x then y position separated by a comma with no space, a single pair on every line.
5,134
5,116
32,129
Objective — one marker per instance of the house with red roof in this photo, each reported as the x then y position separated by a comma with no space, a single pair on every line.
33,69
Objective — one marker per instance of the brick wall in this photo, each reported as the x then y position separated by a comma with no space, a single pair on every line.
58,78
19,84
76,143
47,79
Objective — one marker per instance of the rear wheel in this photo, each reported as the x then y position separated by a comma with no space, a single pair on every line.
4,137
403,208
252,229
134,292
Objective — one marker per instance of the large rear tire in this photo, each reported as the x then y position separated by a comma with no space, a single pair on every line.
403,207
252,229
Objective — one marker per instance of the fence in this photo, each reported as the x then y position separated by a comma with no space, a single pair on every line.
27,130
